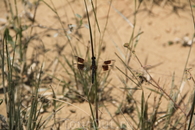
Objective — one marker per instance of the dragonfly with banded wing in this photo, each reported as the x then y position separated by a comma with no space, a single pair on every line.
105,66
85,73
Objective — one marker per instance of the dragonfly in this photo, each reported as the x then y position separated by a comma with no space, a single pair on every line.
107,64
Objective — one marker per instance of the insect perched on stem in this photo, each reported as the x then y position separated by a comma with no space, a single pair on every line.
82,66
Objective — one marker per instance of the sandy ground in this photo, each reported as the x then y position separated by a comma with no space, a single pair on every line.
160,25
